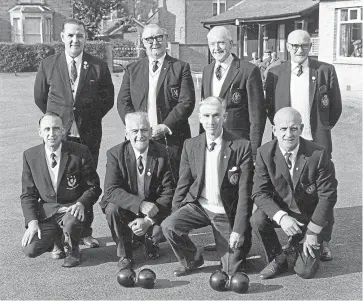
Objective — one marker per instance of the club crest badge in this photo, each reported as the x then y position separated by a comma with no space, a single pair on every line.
72,182
233,175
311,189
236,97
325,101
175,93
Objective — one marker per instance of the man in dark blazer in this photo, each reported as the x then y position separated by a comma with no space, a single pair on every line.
294,188
239,83
139,188
59,182
162,86
214,188
78,87
314,92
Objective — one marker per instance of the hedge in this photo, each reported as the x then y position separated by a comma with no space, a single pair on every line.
15,57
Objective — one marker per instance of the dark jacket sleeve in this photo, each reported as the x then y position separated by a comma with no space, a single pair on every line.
270,95
326,184
30,194
336,101
105,91
186,102
114,191
124,101
263,187
244,205
256,108
185,179
92,189
41,89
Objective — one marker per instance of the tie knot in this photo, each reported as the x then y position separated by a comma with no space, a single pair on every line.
155,65
219,72
54,161
53,156
287,156
212,146
300,70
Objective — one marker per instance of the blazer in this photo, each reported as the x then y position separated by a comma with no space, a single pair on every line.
313,186
121,179
77,181
236,186
174,90
324,97
94,95
243,92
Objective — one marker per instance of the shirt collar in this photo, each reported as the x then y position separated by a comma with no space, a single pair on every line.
293,152
160,60
226,63
138,154
78,58
305,64
57,152
217,141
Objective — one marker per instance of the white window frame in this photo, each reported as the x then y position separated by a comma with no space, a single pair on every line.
245,43
347,59
219,2
24,2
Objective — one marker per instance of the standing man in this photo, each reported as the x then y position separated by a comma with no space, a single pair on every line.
78,87
239,83
255,59
162,86
275,61
59,183
214,188
138,189
311,87
294,187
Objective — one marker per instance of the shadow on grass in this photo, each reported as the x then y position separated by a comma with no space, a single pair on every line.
166,283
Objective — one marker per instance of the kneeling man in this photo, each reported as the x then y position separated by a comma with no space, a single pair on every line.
139,188
59,183
295,189
214,188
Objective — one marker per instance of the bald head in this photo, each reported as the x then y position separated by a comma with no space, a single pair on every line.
298,36
298,44
287,128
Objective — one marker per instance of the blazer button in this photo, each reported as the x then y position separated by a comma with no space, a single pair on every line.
52,195
74,108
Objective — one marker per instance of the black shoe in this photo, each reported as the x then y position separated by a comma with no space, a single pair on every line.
90,242
273,268
288,249
210,247
73,258
57,252
192,266
152,250
124,263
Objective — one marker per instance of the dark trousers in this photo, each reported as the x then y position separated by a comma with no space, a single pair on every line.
264,228
89,215
118,220
52,228
177,226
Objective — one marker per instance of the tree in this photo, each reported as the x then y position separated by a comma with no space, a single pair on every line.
143,7
91,12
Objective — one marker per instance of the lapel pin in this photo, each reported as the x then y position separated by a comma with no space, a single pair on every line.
148,173
85,65
314,79
225,156
297,168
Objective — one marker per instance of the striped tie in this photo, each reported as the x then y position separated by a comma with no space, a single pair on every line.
54,161
73,72
219,72
287,159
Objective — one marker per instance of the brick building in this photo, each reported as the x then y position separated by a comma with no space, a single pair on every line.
340,28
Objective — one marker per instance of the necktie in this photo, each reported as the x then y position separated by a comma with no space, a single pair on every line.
287,159
155,66
219,72
73,72
54,161
300,71
140,165
212,146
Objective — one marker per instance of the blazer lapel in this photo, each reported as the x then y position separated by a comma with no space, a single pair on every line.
207,80
313,76
164,70
44,166
143,79
63,162
299,164
85,66
131,168
199,155
281,166
232,73
63,70
149,171
224,158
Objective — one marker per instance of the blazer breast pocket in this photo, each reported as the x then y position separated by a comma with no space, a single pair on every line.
73,179
174,91
238,98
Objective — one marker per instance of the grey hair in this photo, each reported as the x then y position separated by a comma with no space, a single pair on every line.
215,101
136,115
225,32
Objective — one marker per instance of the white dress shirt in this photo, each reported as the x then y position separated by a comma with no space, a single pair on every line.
74,130
299,91
293,207
153,81
53,171
210,197
217,84
140,177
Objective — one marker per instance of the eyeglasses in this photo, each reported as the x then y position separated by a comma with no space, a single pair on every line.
158,38
295,47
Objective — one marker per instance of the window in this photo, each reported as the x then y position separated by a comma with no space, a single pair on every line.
17,30
219,6
30,1
349,42
245,43
32,30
